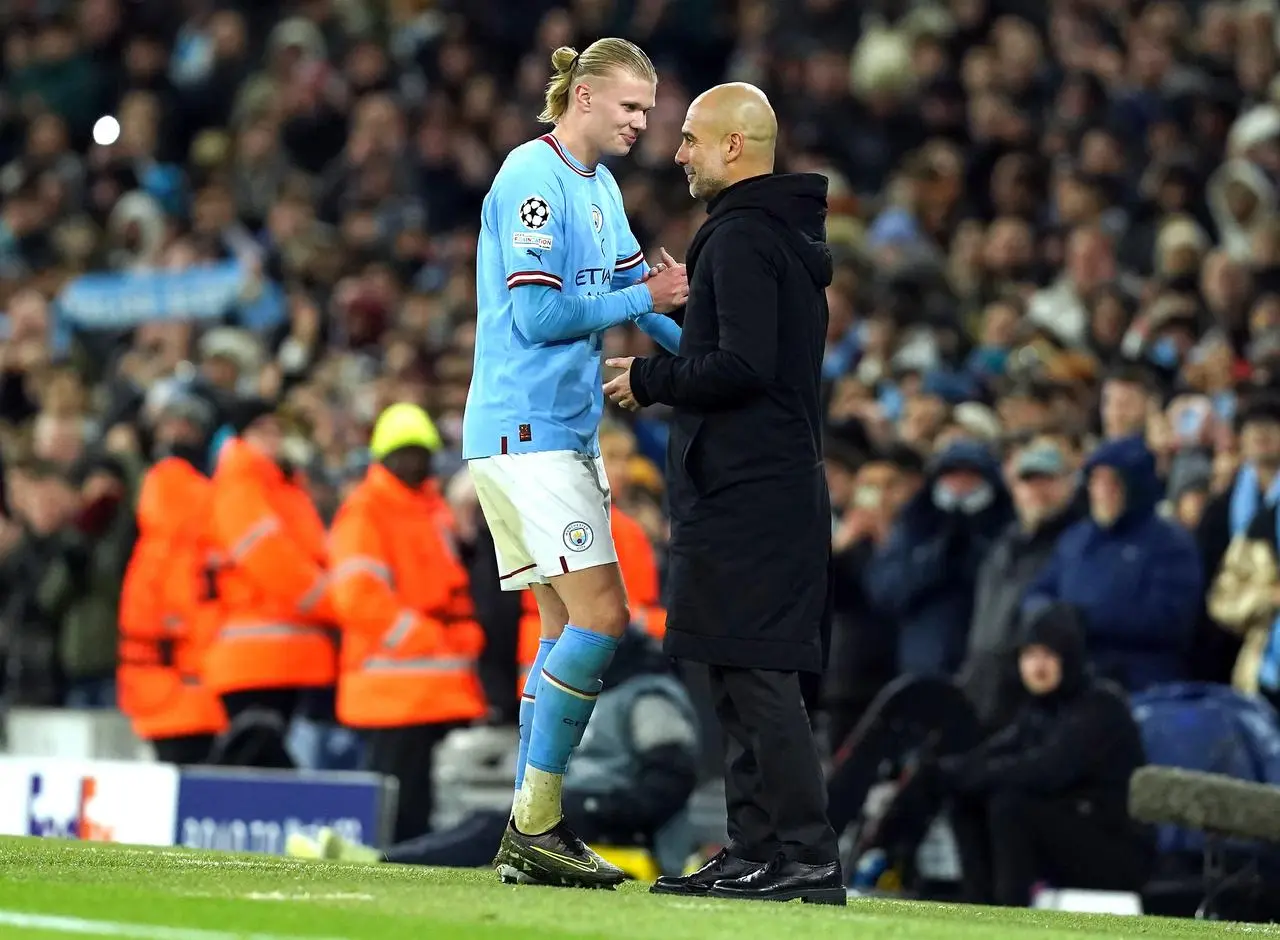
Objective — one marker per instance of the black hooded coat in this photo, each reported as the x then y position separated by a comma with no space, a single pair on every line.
749,583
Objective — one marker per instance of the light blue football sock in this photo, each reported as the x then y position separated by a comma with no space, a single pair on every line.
527,700
567,692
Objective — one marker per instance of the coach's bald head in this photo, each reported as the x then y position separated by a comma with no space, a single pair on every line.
730,134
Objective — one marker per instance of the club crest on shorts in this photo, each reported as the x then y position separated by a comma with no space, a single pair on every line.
597,218
578,536
534,212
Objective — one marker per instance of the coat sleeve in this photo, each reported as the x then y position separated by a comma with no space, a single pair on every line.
141,593
744,277
364,598
1068,756
254,540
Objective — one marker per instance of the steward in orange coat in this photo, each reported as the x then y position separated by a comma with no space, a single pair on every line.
409,635
639,577
168,611
276,637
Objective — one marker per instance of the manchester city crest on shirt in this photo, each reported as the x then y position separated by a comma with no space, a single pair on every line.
597,219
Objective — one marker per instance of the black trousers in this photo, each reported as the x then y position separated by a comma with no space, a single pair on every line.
187,749
408,754
1008,840
259,723
774,790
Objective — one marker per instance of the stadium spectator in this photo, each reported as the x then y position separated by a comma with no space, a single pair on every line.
1045,798
1042,486
1134,577
924,574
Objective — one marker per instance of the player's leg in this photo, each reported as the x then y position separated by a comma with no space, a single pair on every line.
551,611
564,525
538,847
575,539
493,480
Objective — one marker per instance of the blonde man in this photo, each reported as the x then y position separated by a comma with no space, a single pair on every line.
557,265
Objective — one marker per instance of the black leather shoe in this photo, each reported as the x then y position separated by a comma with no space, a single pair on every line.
719,867
785,880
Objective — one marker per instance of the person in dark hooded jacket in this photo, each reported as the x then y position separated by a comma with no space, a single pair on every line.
750,552
924,576
1135,578
1045,799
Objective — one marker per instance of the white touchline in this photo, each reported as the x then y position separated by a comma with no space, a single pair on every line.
107,928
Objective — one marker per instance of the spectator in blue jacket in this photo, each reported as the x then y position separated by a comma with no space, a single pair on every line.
924,575
1134,577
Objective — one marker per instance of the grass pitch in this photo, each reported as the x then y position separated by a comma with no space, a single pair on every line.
56,889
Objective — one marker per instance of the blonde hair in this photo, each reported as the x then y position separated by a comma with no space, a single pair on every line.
600,58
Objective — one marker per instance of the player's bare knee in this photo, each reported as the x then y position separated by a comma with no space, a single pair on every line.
595,599
609,618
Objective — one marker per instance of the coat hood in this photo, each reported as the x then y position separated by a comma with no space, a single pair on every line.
797,203
1130,457
966,455
1058,627
1235,235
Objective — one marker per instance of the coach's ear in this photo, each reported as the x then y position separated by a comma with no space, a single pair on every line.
734,143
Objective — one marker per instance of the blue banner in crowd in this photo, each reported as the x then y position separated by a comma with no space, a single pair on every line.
108,301
257,811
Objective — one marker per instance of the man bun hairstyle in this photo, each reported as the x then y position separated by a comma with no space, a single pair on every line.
600,58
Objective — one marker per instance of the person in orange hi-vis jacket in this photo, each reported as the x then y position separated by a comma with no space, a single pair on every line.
410,639
167,610
277,634
636,558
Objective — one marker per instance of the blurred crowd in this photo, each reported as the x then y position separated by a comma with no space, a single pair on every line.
1054,326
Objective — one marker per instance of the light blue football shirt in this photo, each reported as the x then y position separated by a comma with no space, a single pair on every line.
556,266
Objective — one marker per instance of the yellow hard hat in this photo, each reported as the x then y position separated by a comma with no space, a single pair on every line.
403,425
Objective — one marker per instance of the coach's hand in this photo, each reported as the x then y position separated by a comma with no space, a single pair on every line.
618,388
669,286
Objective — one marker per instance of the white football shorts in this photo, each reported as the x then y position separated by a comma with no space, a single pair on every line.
548,513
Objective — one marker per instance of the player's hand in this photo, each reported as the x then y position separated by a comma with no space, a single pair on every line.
669,288
618,388
660,266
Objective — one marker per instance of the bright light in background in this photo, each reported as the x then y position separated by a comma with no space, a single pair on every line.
106,131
